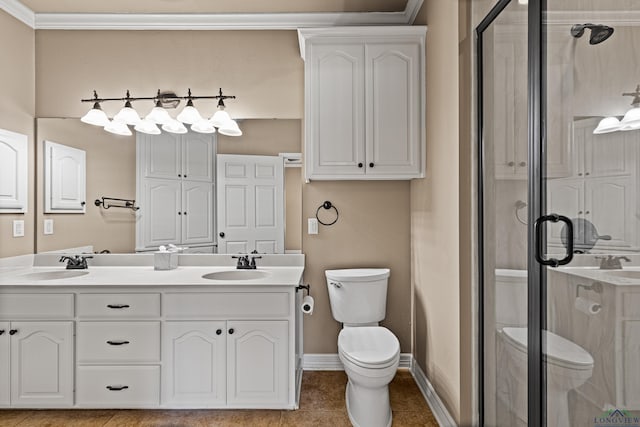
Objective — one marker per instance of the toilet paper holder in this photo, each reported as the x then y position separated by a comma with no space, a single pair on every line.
595,287
307,287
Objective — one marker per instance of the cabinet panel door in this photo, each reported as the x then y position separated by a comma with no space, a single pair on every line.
611,203
197,212
65,174
197,157
631,377
162,211
163,156
13,172
257,363
610,154
393,94
4,365
564,197
335,107
42,364
194,363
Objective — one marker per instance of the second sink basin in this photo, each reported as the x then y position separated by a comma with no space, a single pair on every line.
236,275
627,274
55,274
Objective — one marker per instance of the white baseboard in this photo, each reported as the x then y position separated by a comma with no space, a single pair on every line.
438,408
331,362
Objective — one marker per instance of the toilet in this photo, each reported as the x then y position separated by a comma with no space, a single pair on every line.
370,353
568,365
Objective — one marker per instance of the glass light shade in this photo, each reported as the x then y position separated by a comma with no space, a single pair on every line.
203,126
159,116
174,126
189,115
608,124
220,118
127,115
95,116
230,129
632,126
148,127
632,118
119,128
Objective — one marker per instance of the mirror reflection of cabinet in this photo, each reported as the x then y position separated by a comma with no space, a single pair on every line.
175,191
65,176
13,172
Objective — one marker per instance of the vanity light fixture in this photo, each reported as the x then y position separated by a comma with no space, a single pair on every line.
159,115
630,121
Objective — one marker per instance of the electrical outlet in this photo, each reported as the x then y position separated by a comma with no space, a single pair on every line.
18,228
48,226
312,226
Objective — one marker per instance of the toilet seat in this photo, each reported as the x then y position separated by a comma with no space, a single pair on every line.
557,350
372,347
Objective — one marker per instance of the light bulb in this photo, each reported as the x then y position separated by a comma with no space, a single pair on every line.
118,128
95,116
174,126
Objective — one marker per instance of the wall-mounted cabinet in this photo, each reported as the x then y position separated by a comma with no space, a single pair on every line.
14,175
364,102
65,176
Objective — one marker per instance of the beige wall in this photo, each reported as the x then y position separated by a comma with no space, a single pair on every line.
17,110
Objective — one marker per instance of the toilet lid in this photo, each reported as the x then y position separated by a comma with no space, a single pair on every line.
358,274
557,350
368,346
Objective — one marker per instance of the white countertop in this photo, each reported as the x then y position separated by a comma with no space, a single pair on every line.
605,276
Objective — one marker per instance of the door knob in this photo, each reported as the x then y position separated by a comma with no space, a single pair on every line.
221,234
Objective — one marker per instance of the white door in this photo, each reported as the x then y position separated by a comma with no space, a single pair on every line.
65,173
194,363
162,211
42,364
197,156
13,172
5,389
250,203
610,204
162,155
257,363
197,212
566,196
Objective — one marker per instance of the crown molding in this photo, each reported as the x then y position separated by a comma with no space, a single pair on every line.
225,21
19,11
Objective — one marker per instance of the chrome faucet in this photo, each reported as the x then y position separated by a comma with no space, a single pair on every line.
76,263
244,263
611,262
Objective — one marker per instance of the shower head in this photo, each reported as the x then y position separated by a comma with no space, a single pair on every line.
599,33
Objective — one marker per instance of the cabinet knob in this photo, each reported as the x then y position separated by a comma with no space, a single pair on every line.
13,331
371,164
185,176
587,174
523,164
83,203
360,165
1,331
221,234
179,175
587,212
579,173
179,213
579,212
231,331
184,213
219,332
511,164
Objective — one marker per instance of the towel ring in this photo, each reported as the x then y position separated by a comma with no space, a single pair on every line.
327,205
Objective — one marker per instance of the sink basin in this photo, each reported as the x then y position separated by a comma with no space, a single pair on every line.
55,274
236,275
627,274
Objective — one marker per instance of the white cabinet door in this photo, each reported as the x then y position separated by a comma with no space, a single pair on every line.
197,157
65,173
250,200
5,359
610,154
162,155
610,204
194,363
335,130
257,369
393,94
14,174
42,364
197,212
161,212
564,197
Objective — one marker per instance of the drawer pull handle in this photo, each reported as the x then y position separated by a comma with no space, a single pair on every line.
13,331
118,305
219,331
117,342
117,387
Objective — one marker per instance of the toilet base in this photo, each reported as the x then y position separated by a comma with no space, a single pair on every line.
368,407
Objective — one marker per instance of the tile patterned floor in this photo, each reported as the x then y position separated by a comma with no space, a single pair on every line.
321,404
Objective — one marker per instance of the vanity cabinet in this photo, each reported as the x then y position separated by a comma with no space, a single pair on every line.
175,183
364,102
14,174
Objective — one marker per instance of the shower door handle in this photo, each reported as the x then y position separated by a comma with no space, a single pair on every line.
553,262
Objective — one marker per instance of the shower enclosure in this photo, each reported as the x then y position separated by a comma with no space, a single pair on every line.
558,117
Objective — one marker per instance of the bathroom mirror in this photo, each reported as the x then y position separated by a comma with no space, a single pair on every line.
111,172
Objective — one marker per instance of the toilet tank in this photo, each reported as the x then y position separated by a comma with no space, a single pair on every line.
358,296
510,298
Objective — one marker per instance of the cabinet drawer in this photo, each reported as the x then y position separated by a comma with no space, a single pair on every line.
229,305
118,306
118,386
36,306
117,342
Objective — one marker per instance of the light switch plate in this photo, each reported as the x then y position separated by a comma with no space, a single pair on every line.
312,226
18,228
48,226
